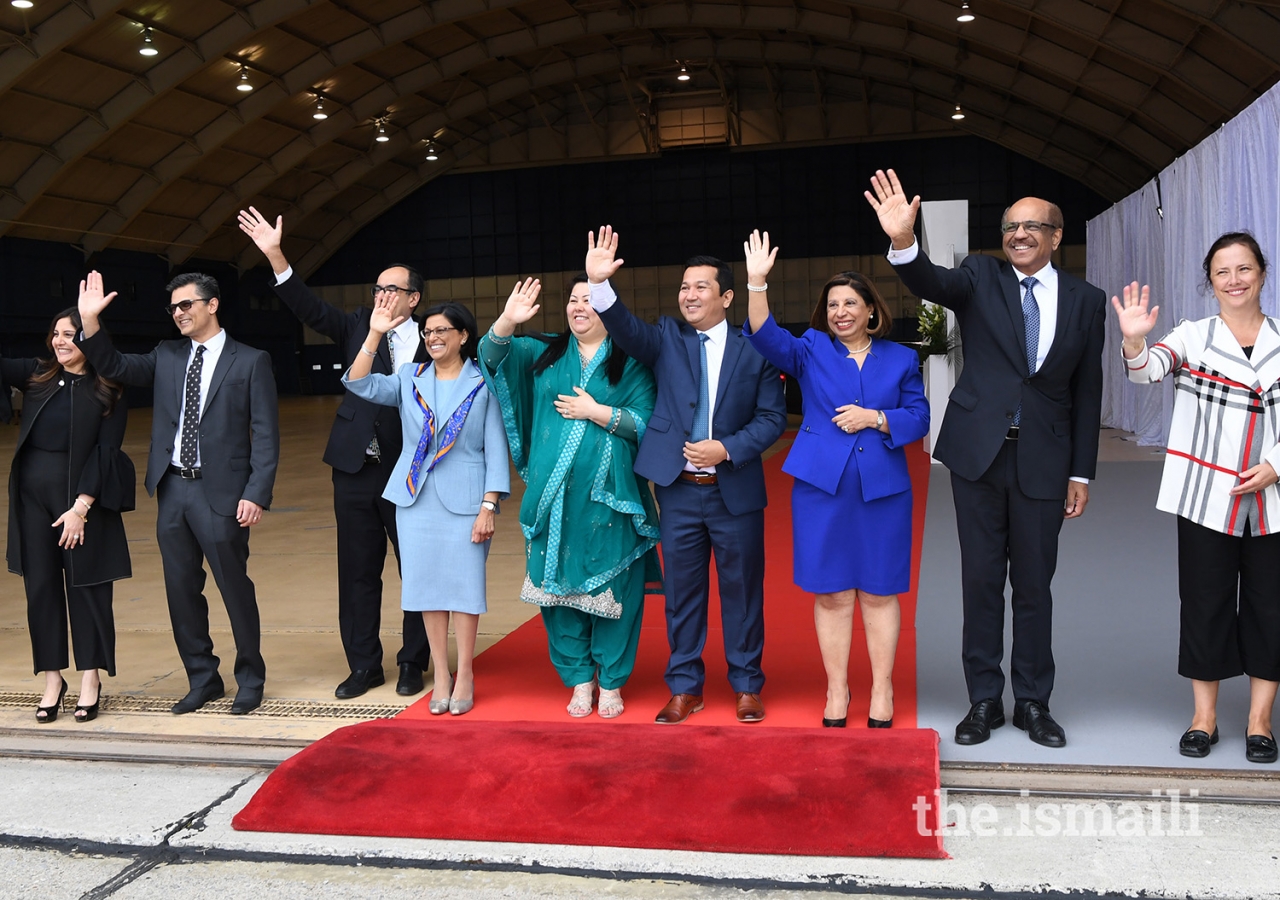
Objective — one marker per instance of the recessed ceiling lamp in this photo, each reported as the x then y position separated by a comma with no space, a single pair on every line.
244,84
22,4
958,114
320,113
966,15
432,155
382,137
684,74
148,47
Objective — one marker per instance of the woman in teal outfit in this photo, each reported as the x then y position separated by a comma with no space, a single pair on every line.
575,408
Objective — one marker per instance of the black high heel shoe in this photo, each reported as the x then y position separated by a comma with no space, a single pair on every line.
90,711
840,722
879,723
51,712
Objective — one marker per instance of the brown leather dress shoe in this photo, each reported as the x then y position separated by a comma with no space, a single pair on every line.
679,708
750,709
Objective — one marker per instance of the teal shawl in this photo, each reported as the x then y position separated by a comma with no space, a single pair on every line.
586,516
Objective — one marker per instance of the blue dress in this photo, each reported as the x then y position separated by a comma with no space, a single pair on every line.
851,502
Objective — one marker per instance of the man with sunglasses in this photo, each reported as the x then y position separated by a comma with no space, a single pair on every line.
1020,438
215,445
364,444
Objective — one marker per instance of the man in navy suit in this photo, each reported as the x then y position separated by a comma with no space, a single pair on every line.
1020,438
719,406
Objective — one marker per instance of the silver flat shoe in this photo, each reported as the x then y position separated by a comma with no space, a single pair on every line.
459,707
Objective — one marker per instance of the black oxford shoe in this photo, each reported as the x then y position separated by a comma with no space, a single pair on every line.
196,698
1034,719
983,716
410,681
359,682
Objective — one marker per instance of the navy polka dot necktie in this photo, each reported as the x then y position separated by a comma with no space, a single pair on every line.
188,454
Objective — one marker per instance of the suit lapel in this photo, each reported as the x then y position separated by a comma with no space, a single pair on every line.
225,361
1224,354
457,390
1013,301
1266,354
181,353
384,353
693,346
1067,300
733,343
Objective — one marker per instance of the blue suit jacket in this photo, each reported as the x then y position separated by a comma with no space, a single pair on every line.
478,461
889,381
750,412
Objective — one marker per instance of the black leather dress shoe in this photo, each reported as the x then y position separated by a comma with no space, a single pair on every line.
1258,748
983,716
246,702
1196,743
196,698
359,682
1034,719
410,681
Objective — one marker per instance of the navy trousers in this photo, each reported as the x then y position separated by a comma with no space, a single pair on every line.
694,524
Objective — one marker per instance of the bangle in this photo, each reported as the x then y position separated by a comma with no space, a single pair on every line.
757,290
493,336
82,518
86,506
372,354
615,420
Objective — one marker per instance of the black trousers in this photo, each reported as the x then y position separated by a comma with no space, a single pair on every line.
190,532
1230,616
365,522
51,598
1005,533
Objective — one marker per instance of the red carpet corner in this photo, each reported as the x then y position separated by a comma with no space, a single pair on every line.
731,789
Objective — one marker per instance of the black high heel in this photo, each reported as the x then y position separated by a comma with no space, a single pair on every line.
840,722
51,712
90,711
879,723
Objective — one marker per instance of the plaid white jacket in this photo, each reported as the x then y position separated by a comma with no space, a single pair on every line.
1224,422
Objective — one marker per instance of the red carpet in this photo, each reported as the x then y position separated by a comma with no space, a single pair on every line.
792,791
516,682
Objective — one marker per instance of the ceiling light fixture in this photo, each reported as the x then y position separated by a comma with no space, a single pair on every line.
432,155
320,114
958,114
244,84
21,4
382,137
966,15
148,47
684,74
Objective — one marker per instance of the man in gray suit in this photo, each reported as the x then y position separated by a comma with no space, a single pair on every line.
215,444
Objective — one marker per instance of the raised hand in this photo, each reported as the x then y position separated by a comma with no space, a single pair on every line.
384,318
601,264
897,214
523,304
262,232
760,258
1136,320
92,301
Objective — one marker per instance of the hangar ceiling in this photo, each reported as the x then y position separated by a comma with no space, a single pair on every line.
101,146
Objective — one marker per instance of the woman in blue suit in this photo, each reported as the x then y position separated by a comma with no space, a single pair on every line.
851,503
446,485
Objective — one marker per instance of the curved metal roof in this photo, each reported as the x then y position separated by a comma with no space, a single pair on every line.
103,147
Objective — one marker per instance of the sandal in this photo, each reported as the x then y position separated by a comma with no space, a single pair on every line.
610,704
580,703
47,714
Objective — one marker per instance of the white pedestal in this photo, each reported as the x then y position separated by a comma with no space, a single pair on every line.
938,382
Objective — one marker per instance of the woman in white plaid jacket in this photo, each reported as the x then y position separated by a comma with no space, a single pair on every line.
1220,477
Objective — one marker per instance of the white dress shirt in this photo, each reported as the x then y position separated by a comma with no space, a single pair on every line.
1045,292
603,297
212,353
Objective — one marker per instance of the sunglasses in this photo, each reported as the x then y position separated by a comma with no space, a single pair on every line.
184,305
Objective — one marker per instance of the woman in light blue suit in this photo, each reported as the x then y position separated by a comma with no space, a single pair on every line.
851,502
446,485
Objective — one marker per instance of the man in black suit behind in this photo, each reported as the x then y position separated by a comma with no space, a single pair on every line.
215,445
1020,438
363,445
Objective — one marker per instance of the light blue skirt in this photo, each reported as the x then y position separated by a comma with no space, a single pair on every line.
440,569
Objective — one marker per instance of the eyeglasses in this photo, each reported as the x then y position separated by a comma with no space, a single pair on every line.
184,305
1029,226
387,289
437,332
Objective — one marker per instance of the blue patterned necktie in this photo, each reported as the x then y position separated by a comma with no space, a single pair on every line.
1031,321
701,412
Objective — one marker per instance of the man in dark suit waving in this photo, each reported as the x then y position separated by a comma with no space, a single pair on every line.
363,446
719,406
215,445
1020,438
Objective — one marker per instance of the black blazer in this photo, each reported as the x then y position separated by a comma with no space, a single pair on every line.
750,412
239,431
97,467
357,421
1061,403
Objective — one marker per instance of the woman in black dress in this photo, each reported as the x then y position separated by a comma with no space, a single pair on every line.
67,488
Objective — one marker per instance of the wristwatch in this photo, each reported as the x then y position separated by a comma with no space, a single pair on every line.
489,505
879,418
